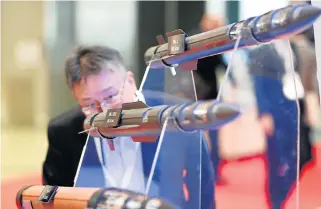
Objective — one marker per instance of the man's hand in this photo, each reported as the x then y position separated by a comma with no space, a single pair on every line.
98,110
109,141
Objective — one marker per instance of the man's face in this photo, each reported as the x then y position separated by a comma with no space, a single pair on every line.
111,88
210,22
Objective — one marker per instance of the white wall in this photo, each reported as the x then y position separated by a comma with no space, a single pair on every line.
251,8
248,8
216,7
112,23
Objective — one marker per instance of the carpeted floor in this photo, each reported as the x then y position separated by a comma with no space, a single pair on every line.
10,187
244,188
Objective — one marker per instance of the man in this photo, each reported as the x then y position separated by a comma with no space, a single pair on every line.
282,142
97,74
303,47
272,117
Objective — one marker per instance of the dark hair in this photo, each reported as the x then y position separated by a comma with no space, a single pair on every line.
90,60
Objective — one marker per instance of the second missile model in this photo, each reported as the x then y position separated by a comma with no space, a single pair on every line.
185,51
54,197
144,124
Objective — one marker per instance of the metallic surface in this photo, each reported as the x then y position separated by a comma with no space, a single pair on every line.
148,121
275,24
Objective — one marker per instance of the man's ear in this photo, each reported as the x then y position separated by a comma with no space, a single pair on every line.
267,123
131,78
76,91
73,92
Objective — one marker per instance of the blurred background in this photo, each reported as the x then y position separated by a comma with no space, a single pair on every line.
36,37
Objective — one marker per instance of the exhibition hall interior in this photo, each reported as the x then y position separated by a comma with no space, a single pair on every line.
269,157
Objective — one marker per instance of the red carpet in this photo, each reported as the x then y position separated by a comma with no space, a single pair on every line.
244,188
9,189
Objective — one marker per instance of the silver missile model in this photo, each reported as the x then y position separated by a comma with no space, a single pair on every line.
185,51
144,124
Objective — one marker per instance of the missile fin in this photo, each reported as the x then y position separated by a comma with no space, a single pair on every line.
160,40
144,138
188,66
134,105
87,130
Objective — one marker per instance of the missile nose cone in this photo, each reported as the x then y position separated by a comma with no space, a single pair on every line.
306,13
212,115
222,113
226,111
285,22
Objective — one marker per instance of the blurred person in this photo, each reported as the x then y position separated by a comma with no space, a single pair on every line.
303,47
282,144
282,140
306,68
207,84
97,74
281,149
280,181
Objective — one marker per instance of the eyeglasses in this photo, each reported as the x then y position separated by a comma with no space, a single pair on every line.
107,103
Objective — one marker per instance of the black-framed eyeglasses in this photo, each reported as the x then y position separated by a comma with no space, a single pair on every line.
108,102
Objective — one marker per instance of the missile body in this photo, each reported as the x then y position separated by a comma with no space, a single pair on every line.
144,124
54,197
275,24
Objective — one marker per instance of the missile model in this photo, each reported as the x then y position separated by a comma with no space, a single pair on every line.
144,124
54,197
185,51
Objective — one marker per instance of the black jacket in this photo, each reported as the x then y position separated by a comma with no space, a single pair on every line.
65,146
206,69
